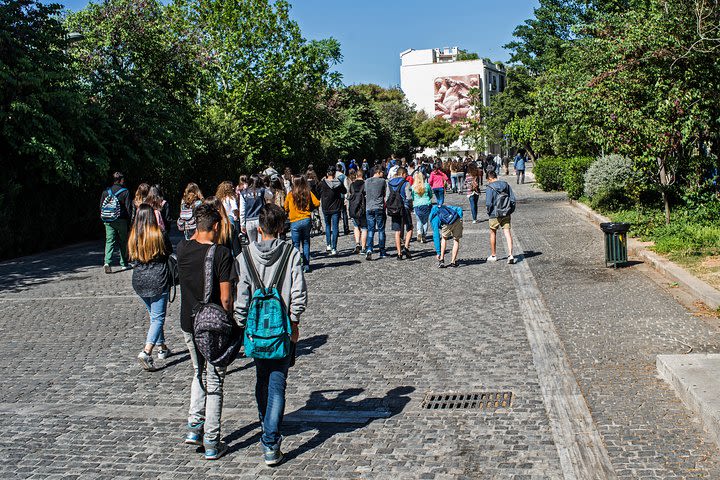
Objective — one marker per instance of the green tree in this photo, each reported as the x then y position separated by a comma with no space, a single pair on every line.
436,133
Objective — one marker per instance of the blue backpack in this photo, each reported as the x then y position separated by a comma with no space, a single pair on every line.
268,330
110,209
447,216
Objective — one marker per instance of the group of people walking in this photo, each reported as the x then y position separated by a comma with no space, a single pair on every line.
234,254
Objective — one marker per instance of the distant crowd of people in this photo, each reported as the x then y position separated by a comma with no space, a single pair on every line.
238,274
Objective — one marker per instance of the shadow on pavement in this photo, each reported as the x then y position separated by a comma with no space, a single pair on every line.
177,357
306,346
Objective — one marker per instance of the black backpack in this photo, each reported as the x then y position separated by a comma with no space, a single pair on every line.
356,202
503,205
217,337
394,202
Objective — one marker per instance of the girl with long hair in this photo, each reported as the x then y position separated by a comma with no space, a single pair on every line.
422,201
226,194
472,189
252,199
226,234
299,204
140,195
192,197
149,249
162,208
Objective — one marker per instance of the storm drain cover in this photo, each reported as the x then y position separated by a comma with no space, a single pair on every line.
465,401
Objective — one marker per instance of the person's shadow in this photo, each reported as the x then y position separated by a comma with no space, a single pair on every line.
329,415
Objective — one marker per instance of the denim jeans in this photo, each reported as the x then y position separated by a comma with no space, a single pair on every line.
423,216
460,181
331,229
251,226
473,205
454,182
520,176
439,195
157,308
300,234
116,236
270,396
206,395
376,223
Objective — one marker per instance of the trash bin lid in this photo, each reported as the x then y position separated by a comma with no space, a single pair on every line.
615,227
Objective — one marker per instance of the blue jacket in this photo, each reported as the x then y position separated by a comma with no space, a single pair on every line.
435,223
491,194
401,184
519,163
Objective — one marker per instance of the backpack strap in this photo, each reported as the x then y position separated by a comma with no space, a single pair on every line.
254,276
209,258
279,275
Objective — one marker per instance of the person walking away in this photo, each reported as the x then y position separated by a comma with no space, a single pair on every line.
299,205
461,169
156,201
192,197
422,201
277,185
500,204
252,199
227,236
437,181
271,264
342,178
226,194
206,389
446,221
149,250
472,187
140,195
506,164
331,200
497,159
115,211
519,166
375,190
453,176
399,206
270,170
356,206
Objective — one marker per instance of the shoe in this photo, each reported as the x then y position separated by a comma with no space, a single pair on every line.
107,268
146,361
306,269
407,254
333,252
272,457
424,240
441,263
399,257
163,354
328,248
358,249
453,264
215,451
475,221
382,255
492,258
124,268
195,434
511,260
368,255
419,238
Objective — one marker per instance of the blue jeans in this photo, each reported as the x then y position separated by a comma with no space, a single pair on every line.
423,216
376,223
439,195
270,396
300,234
331,229
473,205
454,182
156,307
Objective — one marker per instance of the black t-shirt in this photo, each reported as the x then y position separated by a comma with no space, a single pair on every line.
191,266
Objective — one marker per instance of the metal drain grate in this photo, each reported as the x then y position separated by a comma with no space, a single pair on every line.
464,401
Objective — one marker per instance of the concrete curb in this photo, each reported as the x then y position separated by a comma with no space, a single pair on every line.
695,381
672,271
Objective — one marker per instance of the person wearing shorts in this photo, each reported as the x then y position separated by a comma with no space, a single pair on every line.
444,231
402,223
495,189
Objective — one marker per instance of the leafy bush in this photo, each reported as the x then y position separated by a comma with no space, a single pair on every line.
548,173
574,175
607,182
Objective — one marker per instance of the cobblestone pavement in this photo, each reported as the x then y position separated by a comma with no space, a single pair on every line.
376,338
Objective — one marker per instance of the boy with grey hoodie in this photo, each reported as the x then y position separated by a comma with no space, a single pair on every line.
266,254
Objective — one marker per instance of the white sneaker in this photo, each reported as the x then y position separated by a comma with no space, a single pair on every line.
146,361
511,260
163,354
492,258
333,252
328,248
475,221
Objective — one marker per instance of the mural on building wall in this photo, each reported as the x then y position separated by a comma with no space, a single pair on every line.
452,96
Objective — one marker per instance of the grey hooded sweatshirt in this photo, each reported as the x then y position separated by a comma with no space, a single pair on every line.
266,257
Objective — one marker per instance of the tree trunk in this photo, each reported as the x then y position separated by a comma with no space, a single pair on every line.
530,152
666,202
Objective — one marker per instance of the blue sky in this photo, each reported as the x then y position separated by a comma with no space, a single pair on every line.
372,33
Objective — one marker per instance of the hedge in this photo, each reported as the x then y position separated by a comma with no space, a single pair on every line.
559,173
548,173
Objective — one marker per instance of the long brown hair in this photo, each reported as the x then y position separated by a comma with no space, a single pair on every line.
141,194
192,194
301,193
146,241
225,190
154,197
225,232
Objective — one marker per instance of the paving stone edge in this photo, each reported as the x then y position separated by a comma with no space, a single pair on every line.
672,271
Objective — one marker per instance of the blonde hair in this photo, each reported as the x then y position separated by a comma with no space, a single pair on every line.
419,183
225,190
225,233
146,241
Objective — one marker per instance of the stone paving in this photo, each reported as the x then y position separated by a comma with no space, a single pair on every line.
376,338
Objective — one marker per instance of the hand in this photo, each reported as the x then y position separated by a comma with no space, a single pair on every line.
243,230
295,335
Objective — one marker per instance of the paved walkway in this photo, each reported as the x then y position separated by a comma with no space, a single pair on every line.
573,341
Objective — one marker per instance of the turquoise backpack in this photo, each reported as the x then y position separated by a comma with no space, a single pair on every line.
267,330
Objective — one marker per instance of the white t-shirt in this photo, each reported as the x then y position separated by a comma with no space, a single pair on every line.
231,206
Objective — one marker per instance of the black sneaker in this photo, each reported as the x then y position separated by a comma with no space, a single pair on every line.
441,263
406,252
368,255
453,264
358,248
399,257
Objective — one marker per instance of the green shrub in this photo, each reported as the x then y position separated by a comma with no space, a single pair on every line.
608,181
574,175
548,173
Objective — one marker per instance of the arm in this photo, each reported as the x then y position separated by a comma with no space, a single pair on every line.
341,188
489,199
314,200
286,205
243,292
435,224
226,298
241,211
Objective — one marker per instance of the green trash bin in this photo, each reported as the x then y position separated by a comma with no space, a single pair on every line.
616,252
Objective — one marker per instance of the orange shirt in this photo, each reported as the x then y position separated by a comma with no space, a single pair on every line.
291,208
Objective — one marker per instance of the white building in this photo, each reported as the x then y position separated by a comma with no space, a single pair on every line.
438,83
